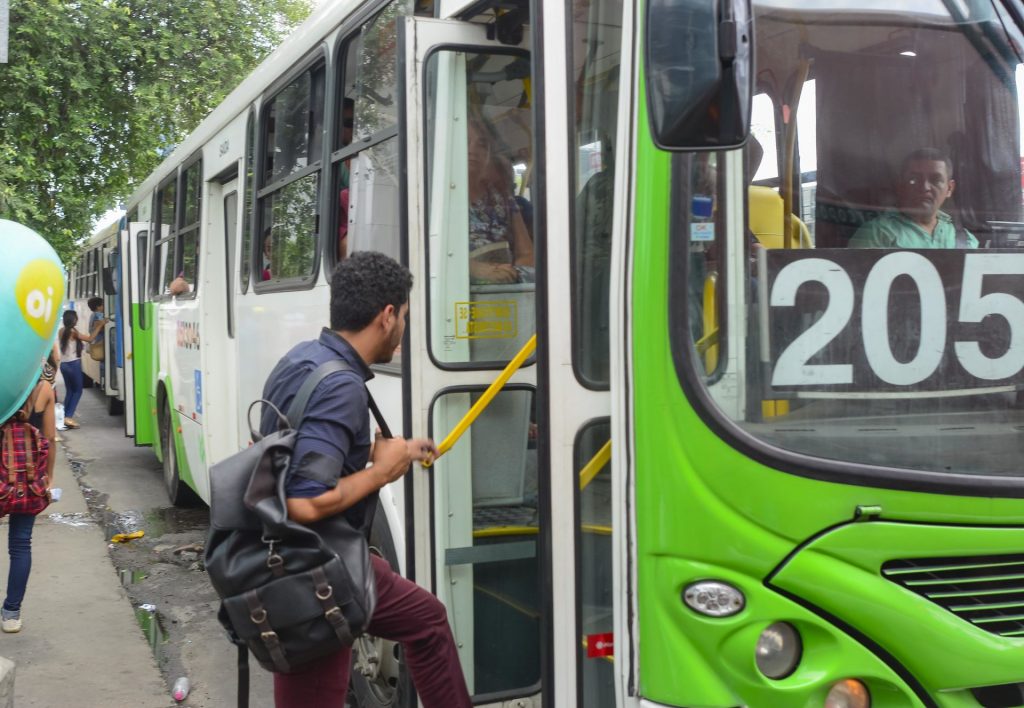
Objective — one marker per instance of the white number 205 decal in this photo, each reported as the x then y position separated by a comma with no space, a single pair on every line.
793,369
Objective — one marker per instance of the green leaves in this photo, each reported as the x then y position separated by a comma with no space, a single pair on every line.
96,90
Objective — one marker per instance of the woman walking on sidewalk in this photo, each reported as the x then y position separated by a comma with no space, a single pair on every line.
71,364
38,411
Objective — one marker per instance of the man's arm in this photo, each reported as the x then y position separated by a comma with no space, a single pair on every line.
391,459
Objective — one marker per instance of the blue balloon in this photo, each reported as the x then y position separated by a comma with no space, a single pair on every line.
31,296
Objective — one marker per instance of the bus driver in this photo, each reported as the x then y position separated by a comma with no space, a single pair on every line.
925,183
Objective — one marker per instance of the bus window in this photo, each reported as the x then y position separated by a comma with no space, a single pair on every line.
189,233
289,200
763,130
245,262
365,160
479,155
876,319
596,24
162,272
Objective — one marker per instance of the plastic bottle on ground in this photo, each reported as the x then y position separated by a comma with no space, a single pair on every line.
181,689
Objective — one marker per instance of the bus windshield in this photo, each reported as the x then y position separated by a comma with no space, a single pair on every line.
864,300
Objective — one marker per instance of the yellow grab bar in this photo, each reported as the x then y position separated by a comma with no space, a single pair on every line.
709,342
596,464
473,413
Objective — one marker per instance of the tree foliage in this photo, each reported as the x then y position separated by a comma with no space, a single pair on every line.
96,92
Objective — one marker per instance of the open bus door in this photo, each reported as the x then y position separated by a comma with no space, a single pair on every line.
134,254
476,534
113,361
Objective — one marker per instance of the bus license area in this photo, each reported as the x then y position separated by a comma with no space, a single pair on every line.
865,322
486,319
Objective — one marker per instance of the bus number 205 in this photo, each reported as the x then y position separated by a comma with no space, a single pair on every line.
876,320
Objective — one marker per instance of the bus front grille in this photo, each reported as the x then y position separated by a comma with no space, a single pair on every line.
987,591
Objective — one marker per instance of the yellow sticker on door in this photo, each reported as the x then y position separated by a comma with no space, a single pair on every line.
486,319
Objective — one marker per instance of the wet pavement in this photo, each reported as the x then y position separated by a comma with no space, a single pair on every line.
160,573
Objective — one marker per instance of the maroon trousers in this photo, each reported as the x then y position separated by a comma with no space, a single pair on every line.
405,613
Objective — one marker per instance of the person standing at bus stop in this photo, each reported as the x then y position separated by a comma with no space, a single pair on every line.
329,476
70,340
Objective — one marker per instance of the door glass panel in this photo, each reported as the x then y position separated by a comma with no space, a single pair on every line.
597,37
486,537
594,583
479,162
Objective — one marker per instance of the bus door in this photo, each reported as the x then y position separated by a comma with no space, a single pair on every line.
477,535
112,360
138,345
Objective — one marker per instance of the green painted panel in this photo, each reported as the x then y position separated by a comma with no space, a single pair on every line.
144,360
706,510
840,573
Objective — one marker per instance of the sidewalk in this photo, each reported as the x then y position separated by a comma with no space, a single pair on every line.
80,644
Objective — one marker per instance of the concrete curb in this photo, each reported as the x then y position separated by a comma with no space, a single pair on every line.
6,683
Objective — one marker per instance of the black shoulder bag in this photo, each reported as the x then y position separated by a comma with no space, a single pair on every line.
289,593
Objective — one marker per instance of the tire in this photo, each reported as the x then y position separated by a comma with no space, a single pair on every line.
384,683
115,407
179,493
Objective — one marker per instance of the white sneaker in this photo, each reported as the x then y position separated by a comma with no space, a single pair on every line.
10,623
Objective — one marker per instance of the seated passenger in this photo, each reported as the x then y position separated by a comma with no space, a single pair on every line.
500,248
925,183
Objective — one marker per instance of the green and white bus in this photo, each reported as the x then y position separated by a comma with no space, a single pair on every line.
746,464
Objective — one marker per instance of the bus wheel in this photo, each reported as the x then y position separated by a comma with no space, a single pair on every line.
178,492
379,676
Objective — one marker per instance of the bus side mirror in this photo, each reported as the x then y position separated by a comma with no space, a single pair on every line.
109,287
699,73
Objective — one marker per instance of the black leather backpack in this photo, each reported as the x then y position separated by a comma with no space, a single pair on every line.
289,593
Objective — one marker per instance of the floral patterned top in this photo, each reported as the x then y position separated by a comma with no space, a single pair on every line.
490,226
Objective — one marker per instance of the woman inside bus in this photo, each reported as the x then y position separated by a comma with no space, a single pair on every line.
71,340
500,248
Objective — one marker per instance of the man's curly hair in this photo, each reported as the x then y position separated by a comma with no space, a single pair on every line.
364,284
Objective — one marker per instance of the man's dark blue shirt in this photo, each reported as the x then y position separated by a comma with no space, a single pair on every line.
334,437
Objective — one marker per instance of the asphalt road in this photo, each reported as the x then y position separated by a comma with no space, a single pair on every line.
123,486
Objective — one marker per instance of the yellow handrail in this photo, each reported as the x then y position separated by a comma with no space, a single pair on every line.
473,413
596,464
709,341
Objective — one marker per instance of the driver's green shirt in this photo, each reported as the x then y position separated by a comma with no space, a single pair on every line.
893,230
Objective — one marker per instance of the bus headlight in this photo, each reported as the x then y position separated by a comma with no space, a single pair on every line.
848,693
713,598
778,650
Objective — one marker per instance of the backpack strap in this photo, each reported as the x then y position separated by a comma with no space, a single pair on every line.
8,453
28,438
297,410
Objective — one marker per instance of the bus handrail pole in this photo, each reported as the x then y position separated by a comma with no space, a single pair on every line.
596,464
473,413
